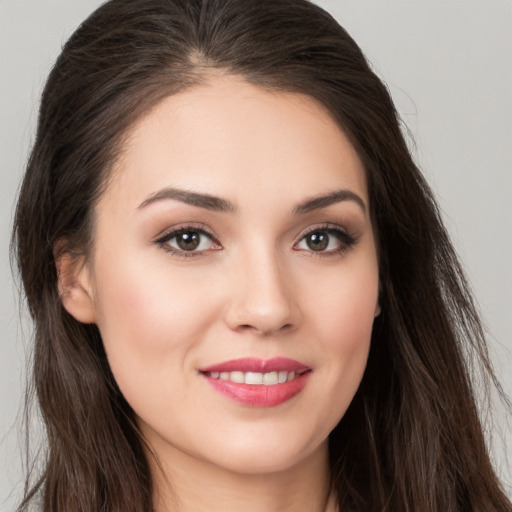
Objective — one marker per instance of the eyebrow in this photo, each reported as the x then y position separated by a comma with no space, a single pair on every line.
192,198
218,204
326,200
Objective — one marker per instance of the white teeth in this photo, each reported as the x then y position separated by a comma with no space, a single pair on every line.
270,378
238,377
255,378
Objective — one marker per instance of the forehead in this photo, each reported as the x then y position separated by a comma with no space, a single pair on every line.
232,139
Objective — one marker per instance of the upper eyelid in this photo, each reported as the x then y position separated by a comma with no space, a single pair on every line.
326,227
176,230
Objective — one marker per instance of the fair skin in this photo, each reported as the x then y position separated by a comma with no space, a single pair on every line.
177,283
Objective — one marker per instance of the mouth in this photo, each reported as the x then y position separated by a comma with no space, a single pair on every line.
256,378
256,382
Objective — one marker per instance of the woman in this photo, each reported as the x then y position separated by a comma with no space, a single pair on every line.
242,290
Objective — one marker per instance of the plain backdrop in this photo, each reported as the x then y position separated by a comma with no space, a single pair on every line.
448,65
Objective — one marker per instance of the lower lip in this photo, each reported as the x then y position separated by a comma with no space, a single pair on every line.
255,395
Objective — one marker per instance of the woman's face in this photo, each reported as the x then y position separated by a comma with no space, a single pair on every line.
234,275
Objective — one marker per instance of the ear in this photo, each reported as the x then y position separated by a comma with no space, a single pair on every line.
378,310
74,285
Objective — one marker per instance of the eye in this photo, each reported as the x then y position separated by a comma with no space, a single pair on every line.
326,240
188,241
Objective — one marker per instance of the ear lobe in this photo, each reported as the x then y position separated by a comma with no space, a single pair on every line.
74,287
377,310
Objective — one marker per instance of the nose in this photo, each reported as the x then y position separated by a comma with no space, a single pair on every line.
262,298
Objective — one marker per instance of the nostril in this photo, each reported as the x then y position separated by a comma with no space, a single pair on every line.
266,331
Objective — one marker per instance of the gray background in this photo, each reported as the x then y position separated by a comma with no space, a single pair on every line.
448,65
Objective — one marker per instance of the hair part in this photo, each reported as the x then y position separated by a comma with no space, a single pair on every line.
411,440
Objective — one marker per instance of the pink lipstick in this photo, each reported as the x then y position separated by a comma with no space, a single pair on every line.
257,382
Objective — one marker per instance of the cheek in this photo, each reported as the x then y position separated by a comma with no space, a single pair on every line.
149,322
345,313
346,306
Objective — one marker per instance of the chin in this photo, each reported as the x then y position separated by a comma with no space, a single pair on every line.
266,454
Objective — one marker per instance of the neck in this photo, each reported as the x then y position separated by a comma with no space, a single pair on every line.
186,484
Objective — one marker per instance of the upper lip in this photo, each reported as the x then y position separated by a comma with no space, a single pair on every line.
252,364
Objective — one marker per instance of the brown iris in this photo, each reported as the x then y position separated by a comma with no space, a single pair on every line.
188,240
317,241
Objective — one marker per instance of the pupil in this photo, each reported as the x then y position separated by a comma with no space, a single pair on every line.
188,241
318,241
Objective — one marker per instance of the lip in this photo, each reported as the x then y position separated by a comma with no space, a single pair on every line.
252,364
258,395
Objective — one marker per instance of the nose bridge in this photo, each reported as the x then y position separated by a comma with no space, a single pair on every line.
262,296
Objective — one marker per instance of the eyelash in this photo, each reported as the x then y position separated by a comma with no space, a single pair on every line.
166,237
346,240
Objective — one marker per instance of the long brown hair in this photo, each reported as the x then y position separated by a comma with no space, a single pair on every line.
411,439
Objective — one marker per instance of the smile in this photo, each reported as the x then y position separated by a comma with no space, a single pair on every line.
256,382
255,378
